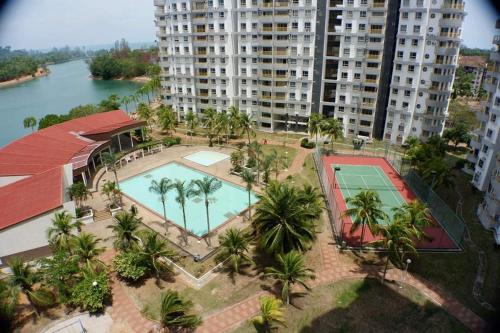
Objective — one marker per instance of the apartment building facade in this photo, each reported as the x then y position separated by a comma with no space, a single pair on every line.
486,139
389,65
256,55
383,67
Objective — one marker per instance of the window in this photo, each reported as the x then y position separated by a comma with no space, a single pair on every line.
418,15
305,73
407,93
362,13
411,68
348,26
404,15
345,63
416,29
414,42
402,41
344,75
413,55
485,149
400,54
403,28
399,67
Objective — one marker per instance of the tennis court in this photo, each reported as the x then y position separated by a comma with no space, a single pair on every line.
353,179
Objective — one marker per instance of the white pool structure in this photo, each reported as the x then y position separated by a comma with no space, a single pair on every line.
229,201
206,157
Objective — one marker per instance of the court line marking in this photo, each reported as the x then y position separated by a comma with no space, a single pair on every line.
348,192
399,200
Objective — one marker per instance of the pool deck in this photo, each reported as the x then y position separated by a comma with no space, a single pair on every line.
155,221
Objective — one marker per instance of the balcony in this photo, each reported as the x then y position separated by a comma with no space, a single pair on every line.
457,6
159,2
449,34
379,4
373,56
376,31
201,52
282,29
202,74
267,29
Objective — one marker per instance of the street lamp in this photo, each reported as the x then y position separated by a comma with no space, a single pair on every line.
335,169
403,277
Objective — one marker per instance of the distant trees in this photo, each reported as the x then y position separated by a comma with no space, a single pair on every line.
462,86
29,122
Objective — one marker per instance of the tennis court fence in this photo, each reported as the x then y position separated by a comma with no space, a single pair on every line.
449,221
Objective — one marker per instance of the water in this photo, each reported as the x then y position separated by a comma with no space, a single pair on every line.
68,85
228,201
206,158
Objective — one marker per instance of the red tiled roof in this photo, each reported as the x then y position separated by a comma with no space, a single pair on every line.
30,197
41,155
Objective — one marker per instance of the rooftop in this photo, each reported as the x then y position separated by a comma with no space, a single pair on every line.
472,61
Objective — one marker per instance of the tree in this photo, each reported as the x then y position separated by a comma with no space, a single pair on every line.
9,300
234,120
278,162
92,291
237,158
366,211
86,250
331,128
249,178
124,229
234,245
437,172
291,270
175,312
111,103
204,188
459,112
397,241
210,123
78,192
111,191
30,122
255,150
462,85
415,215
50,120
271,311
282,222
222,126
145,113
191,122
109,160
154,250
314,125
182,192
24,278
166,119
245,125
161,188
60,271
311,198
125,101
457,134
62,230
130,265
267,166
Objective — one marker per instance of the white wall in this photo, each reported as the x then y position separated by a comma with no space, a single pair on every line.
6,180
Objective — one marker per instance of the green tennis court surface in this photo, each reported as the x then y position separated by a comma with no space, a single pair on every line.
353,179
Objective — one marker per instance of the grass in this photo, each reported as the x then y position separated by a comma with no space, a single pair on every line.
308,174
280,149
456,272
364,306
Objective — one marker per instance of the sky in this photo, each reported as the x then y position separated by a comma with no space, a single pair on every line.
42,24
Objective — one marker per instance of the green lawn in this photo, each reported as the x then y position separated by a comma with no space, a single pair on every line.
364,306
292,152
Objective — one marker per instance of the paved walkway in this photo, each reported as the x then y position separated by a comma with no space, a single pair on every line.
123,309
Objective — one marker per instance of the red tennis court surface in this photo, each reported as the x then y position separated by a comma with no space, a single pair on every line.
439,239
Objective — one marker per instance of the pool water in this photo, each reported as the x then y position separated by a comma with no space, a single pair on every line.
228,201
206,157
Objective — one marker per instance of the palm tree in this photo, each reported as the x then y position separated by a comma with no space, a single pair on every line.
166,119
415,215
312,198
29,122
125,100
222,126
278,162
437,172
205,188
124,230
234,119
78,192
109,160
245,125
145,113
108,189
210,123
9,300
62,230
182,192
314,125
291,270
267,166
255,149
161,188
191,122
271,311
282,222
234,247
366,211
332,128
154,249
397,240
24,278
249,178
174,312
86,250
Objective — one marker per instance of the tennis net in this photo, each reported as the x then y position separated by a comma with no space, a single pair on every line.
369,187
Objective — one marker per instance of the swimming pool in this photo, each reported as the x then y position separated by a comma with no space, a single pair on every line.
206,157
229,201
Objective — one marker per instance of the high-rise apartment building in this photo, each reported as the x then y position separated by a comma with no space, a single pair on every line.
383,67
389,65
254,54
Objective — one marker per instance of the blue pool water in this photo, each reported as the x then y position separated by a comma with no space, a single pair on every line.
206,157
228,201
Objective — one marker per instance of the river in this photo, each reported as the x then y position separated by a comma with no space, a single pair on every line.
68,85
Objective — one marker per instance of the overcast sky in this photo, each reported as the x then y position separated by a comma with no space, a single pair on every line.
39,24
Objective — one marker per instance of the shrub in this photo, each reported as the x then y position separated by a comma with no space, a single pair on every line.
304,143
237,159
90,296
251,163
129,265
170,141
460,164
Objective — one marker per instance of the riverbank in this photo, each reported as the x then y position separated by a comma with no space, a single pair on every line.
137,79
41,72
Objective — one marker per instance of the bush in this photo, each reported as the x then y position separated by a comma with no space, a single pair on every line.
129,266
304,143
251,163
237,159
91,297
170,141
460,164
